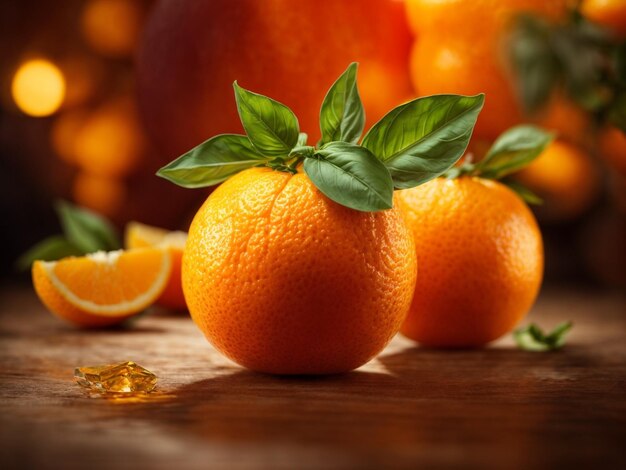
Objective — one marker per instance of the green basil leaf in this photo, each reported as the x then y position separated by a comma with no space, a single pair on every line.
342,117
212,162
50,249
350,175
532,338
271,126
85,229
513,150
423,138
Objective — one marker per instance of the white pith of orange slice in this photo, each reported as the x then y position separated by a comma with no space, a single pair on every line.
102,288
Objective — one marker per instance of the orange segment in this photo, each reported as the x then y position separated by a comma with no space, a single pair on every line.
140,236
102,289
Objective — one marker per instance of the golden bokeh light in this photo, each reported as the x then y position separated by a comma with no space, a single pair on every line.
111,141
38,88
99,193
112,27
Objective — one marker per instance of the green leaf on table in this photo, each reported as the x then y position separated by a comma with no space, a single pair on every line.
513,150
423,138
85,229
350,175
532,338
49,249
271,126
342,117
212,162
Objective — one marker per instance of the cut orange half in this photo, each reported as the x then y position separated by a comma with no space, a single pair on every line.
139,236
102,289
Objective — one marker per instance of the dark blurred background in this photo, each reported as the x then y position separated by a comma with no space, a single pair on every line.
96,95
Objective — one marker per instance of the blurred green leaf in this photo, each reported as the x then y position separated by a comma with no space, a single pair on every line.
532,338
85,229
49,249
522,191
513,150
534,63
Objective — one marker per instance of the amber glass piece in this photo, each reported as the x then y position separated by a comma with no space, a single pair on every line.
125,377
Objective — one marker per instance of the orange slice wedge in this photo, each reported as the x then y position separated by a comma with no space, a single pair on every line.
102,289
140,235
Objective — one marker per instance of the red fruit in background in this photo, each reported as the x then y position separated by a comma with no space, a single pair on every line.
290,50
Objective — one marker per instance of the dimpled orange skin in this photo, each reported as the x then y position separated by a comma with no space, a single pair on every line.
481,261
282,280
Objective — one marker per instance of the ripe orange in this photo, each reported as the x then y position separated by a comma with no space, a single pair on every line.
566,118
480,261
102,289
609,13
183,71
565,177
282,280
471,19
460,48
141,236
448,65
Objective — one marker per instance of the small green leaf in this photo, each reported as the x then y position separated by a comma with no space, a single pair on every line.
85,229
532,338
342,117
423,138
522,191
49,249
513,150
212,162
271,126
350,175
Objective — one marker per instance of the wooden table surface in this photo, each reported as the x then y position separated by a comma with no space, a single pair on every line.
493,408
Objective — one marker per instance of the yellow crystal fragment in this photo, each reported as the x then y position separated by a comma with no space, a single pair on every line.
125,377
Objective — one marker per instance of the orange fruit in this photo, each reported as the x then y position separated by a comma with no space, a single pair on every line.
470,19
565,177
613,148
448,65
564,117
282,280
102,289
185,74
460,48
480,258
141,236
608,13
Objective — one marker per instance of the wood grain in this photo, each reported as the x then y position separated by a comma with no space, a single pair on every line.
493,408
